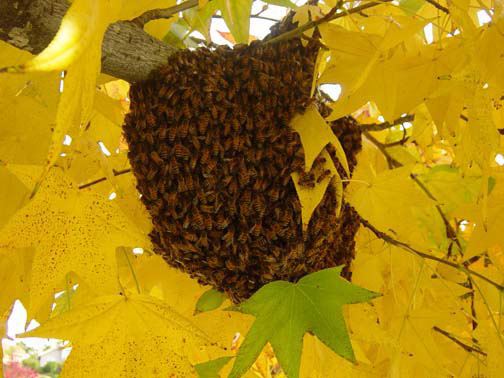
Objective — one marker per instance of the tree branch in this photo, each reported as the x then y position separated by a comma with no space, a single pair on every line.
328,17
466,347
128,52
408,248
156,14
438,6
450,231
386,125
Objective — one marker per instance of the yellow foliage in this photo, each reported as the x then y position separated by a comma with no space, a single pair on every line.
71,231
127,335
430,189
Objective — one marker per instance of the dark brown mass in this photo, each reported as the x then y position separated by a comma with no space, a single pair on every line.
211,147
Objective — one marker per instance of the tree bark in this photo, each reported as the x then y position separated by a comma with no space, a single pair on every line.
128,52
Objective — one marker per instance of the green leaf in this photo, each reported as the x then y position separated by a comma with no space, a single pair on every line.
285,311
236,13
209,300
282,3
210,369
410,7
200,18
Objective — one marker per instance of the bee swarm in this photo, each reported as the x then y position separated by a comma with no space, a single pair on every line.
212,150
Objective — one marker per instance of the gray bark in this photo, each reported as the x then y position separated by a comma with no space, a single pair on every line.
128,52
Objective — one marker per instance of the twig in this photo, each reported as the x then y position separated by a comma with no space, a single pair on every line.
450,232
156,14
116,173
408,248
397,143
332,15
466,347
387,125
438,6
252,16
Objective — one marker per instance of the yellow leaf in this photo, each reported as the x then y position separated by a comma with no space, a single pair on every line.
387,199
82,27
309,197
29,102
126,336
480,138
72,231
236,14
15,269
422,127
315,134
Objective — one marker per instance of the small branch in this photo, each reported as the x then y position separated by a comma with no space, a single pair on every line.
387,125
438,6
252,16
156,14
116,173
397,143
408,248
450,232
332,15
466,347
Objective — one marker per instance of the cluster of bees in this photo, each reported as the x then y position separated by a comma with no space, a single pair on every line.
212,150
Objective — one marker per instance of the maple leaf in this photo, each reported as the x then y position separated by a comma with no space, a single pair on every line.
311,197
236,14
72,231
126,336
285,311
315,134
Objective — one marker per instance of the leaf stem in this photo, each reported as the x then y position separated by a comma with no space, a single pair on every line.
438,6
466,347
386,125
131,269
155,14
116,173
499,333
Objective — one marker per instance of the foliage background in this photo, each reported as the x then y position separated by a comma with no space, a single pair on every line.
425,80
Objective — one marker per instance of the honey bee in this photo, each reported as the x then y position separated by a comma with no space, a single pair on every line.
221,222
223,115
193,161
203,122
198,222
203,241
189,236
189,182
183,129
228,237
172,133
182,187
149,138
237,143
152,193
256,229
170,198
174,166
258,204
324,174
181,151
156,158
231,93
274,194
233,186
151,173
214,111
